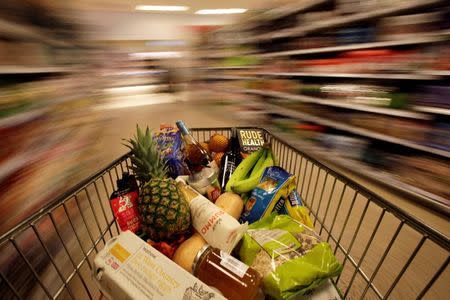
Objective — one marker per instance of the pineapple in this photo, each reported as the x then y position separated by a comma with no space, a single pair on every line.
164,213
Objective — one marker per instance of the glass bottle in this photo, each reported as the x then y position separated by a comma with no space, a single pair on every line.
203,169
197,157
124,203
234,279
230,160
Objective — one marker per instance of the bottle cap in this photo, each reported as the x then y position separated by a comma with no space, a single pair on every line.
182,127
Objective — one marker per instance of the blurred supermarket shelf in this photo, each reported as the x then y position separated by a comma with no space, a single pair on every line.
23,159
227,53
432,110
419,39
229,77
230,67
341,104
33,70
345,20
276,109
381,177
439,73
387,76
288,9
22,117
15,30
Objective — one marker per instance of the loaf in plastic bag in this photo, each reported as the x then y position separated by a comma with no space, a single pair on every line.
289,255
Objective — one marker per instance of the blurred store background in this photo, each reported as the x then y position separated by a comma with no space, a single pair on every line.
362,85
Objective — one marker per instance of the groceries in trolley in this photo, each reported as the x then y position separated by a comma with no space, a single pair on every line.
193,227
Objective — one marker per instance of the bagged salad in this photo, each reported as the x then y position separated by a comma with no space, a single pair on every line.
289,255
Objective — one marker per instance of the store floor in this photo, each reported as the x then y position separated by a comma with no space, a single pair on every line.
155,109
152,110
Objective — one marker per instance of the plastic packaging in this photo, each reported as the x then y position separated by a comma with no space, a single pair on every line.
170,144
290,257
275,193
128,268
217,227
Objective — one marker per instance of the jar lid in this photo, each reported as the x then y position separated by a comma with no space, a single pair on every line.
200,253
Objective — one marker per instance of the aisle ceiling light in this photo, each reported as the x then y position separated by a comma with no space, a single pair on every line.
162,7
221,11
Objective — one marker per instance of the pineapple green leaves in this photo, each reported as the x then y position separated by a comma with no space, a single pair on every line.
146,158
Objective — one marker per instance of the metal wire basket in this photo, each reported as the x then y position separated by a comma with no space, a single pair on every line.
386,252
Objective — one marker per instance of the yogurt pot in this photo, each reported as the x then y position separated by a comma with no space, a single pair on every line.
206,183
217,227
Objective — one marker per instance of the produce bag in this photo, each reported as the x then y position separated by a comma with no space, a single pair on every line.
289,255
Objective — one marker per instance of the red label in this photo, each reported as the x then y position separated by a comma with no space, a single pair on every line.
126,212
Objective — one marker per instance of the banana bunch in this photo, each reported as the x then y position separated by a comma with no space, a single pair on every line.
247,175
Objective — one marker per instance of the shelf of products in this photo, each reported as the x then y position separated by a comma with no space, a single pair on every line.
27,32
377,74
341,21
418,40
4,70
367,171
48,121
420,76
355,130
338,103
290,8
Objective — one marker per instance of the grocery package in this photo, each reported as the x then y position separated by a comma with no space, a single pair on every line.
269,196
217,227
124,203
290,256
234,279
170,144
248,173
250,140
164,213
128,268
293,206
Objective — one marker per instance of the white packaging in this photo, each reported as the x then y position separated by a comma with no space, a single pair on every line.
217,227
128,268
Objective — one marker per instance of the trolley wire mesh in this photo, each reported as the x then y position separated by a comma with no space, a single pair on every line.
386,253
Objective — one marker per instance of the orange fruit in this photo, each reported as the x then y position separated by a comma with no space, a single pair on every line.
205,146
218,157
218,143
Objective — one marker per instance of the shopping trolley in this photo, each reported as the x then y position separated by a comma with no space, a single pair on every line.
386,252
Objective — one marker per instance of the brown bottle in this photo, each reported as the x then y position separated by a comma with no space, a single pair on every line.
234,279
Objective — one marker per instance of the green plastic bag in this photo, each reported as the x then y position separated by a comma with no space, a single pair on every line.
289,255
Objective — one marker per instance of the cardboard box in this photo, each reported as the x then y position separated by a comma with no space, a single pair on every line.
129,268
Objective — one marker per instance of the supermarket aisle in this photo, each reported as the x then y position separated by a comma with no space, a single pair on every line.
152,110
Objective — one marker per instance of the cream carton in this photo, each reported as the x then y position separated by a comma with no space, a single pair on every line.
129,268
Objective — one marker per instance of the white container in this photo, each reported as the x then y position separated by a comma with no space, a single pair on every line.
129,268
217,227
